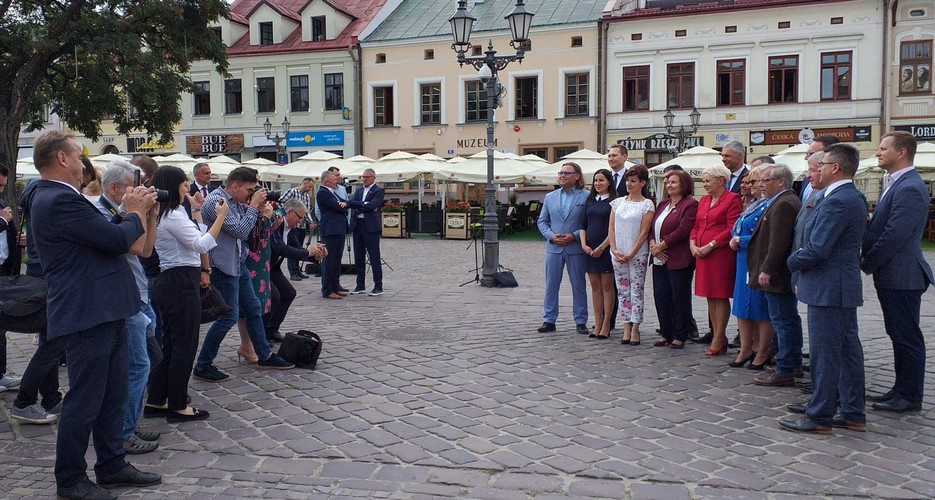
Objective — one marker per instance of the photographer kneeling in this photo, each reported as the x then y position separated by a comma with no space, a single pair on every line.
286,243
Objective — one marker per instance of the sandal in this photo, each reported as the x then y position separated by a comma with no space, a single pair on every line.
661,342
676,344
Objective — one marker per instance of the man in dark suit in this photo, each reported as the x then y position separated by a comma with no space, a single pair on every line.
769,247
333,228
83,260
732,156
829,282
286,242
367,228
892,253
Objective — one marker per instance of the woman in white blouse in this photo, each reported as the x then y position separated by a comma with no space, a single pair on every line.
182,247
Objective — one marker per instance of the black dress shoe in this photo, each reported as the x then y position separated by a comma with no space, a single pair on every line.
582,329
302,275
842,423
708,337
130,476
897,405
803,424
890,394
797,408
85,489
546,327
274,336
153,412
735,344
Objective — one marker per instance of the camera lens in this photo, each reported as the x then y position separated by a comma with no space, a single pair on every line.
273,196
162,196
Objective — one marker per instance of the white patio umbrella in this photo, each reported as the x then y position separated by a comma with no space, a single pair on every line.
401,166
26,169
310,165
507,170
693,160
794,158
361,163
589,161
101,161
184,162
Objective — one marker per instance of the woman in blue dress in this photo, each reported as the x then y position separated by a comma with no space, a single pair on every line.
593,236
750,306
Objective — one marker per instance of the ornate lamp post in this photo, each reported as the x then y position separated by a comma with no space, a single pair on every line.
488,65
278,140
682,134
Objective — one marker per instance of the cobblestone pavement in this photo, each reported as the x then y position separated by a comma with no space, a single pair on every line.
436,390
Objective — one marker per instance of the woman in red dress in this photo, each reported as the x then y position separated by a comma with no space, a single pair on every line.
714,260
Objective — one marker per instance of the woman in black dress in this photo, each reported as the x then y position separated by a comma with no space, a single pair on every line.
593,237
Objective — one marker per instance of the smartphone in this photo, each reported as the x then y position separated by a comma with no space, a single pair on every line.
136,177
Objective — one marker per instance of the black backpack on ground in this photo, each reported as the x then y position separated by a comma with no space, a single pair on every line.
301,348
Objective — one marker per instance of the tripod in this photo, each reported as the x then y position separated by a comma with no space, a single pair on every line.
477,267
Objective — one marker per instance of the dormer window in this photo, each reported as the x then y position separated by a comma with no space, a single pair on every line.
266,33
318,29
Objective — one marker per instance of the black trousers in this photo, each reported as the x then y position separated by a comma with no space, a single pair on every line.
672,293
283,293
331,266
294,265
41,375
176,296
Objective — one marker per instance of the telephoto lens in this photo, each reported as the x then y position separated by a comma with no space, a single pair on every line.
273,196
162,196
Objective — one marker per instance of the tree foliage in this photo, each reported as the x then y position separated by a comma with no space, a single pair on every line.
87,60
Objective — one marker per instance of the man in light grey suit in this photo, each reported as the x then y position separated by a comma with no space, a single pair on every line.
892,252
561,217
828,264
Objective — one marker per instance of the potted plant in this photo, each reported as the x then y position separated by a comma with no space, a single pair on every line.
393,217
458,220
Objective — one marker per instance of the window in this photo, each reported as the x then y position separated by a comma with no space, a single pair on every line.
915,66
383,106
429,54
636,88
318,29
527,97
217,31
680,33
680,85
233,97
576,95
334,91
476,50
730,29
836,76
266,33
636,36
202,98
784,25
381,58
577,41
431,103
837,20
298,92
783,79
476,105
730,82
266,95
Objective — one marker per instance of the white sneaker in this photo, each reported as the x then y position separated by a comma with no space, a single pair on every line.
10,382
34,414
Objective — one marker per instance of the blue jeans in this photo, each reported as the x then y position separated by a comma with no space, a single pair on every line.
239,295
784,314
138,364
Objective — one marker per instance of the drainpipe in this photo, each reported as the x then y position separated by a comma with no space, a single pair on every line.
602,90
887,93
358,96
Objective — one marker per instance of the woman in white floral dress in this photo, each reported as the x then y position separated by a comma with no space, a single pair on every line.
629,227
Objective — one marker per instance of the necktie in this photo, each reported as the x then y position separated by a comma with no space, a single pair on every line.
616,180
204,191
566,204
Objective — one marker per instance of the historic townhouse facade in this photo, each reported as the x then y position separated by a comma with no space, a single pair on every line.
910,100
289,59
767,73
417,98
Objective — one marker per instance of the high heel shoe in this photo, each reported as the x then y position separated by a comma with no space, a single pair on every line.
716,352
756,367
741,363
244,357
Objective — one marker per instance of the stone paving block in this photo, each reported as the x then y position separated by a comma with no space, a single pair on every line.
344,469
640,491
597,488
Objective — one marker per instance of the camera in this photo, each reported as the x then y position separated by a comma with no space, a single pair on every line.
273,196
162,196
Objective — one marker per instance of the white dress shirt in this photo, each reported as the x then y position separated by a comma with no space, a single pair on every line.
180,241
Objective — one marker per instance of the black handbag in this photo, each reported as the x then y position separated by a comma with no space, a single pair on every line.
212,304
301,348
23,304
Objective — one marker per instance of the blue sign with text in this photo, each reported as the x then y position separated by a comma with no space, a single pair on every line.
306,139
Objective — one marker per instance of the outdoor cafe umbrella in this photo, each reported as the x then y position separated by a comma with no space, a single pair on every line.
361,163
589,161
693,160
310,165
26,169
222,165
401,166
507,170
184,162
794,158
101,161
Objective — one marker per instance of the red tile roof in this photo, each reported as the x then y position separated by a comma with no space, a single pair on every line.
704,8
361,11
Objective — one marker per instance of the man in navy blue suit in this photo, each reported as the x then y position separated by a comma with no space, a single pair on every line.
332,228
892,253
829,281
83,261
367,228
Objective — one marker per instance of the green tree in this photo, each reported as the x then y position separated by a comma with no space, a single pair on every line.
89,59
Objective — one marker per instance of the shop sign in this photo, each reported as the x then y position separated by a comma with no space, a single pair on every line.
924,132
806,135
312,139
661,142
214,144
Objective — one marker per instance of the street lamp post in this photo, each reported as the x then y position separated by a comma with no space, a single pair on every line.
682,134
488,66
278,140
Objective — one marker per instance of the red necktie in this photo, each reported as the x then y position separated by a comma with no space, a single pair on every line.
204,191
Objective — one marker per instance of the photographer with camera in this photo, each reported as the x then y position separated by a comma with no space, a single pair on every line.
230,276
302,193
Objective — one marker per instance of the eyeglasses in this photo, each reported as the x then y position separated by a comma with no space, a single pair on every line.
764,181
567,173
823,163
